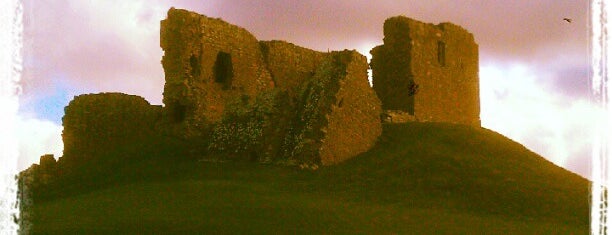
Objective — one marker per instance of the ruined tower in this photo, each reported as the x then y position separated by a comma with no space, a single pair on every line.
207,63
429,71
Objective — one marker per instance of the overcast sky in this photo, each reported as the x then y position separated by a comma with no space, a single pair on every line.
534,66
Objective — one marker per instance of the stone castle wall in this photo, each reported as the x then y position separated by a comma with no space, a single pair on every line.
441,59
338,115
391,72
290,65
228,95
353,123
207,63
278,102
274,100
96,123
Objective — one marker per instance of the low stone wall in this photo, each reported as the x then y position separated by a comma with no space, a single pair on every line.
96,123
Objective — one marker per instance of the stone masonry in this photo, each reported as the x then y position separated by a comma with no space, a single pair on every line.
338,114
353,123
322,109
290,65
229,96
275,101
207,63
96,123
429,71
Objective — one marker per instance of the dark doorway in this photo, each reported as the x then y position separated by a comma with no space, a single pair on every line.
223,70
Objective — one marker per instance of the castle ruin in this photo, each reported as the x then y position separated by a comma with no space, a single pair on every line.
429,71
230,95
207,62
267,100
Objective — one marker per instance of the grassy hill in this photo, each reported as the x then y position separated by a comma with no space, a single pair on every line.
421,178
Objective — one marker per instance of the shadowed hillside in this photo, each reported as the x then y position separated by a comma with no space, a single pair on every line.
420,178
467,168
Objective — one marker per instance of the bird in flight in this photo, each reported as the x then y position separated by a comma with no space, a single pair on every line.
568,20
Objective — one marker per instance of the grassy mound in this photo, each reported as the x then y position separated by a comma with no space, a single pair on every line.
421,178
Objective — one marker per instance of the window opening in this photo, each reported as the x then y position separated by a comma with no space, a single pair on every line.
442,53
223,70
194,62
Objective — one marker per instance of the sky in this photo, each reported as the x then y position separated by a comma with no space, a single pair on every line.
534,66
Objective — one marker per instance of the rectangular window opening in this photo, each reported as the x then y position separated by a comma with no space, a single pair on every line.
442,53
223,70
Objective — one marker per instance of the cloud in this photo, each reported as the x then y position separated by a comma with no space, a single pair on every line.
37,137
93,47
560,128
571,81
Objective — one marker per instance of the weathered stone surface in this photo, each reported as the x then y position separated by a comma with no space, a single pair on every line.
278,100
442,60
335,116
37,177
397,116
47,161
353,124
230,94
290,65
95,123
207,63
338,114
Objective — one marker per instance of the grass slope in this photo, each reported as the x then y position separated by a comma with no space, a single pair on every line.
421,178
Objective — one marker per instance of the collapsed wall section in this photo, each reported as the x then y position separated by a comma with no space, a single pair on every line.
353,124
430,71
96,123
207,63
338,116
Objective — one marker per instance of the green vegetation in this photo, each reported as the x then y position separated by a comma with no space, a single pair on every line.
251,130
314,99
421,178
